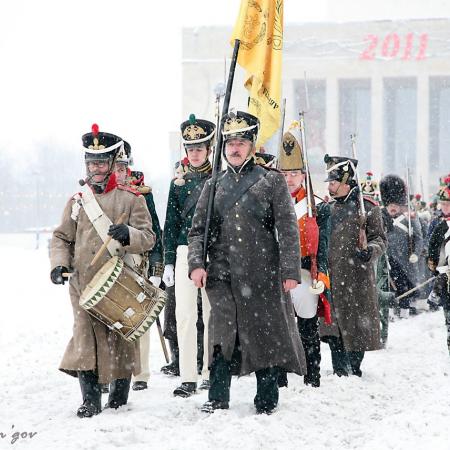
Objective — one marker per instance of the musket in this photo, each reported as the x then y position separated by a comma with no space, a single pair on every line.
415,288
362,238
413,258
218,150
283,115
311,227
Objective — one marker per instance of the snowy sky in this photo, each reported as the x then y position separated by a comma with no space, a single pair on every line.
65,65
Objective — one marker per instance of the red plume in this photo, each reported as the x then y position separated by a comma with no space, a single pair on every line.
95,129
447,179
418,196
369,174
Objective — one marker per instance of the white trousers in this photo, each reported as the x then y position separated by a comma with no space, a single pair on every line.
305,303
144,350
186,315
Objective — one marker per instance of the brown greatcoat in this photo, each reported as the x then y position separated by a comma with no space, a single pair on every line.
253,248
74,243
353,282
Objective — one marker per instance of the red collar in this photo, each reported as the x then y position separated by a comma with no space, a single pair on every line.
299,194
111,185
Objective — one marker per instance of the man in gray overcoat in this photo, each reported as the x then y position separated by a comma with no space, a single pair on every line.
96,354
356,325
254,262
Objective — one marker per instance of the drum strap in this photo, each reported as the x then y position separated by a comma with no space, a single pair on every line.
101,222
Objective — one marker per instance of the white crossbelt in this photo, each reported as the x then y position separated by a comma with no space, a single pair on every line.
398,223
301,208
101,222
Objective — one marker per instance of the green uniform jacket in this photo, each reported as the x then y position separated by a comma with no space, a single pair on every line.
180,211
156,254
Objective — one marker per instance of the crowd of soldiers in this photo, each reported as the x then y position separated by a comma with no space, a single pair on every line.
262,301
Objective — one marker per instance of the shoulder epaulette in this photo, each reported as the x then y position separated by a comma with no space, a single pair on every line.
125,187
371,200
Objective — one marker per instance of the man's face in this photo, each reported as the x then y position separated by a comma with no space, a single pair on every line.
99,167
237,150
121,172
294,179
445,208
338,189
197,154
394,210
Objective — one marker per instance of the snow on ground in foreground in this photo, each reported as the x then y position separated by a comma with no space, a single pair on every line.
402,400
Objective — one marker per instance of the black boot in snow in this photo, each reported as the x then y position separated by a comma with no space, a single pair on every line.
172,368
185,390
139,385
282,378
91,392
211,405
118,393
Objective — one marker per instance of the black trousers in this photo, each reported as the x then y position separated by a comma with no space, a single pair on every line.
441,288
266,398
309,333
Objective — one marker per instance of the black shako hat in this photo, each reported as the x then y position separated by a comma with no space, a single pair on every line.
197,131
239,124
99,145
340,168
393,190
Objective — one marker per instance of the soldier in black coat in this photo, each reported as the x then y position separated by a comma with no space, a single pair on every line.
404,242
254,261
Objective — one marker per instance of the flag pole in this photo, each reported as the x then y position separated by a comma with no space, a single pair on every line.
218,151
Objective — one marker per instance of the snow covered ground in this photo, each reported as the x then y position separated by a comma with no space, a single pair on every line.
401,402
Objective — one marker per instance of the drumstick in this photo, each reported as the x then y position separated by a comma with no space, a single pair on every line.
105,244
161,337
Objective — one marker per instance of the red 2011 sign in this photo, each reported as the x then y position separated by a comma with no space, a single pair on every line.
408,47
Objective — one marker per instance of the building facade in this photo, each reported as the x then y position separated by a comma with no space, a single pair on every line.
386,81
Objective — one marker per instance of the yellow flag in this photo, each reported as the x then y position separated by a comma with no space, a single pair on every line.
260,29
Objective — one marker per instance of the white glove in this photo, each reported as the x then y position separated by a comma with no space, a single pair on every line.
156,281
318,288
169,275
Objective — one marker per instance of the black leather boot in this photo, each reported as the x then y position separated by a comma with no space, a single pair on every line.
91,392
185,390
174,367
118,393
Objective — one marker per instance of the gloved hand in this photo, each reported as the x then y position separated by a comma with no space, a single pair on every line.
120,233
431,265
364,255
56,275
169,275
323,281
434,299
156,281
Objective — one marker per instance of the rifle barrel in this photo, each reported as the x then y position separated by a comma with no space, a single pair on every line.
218,152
